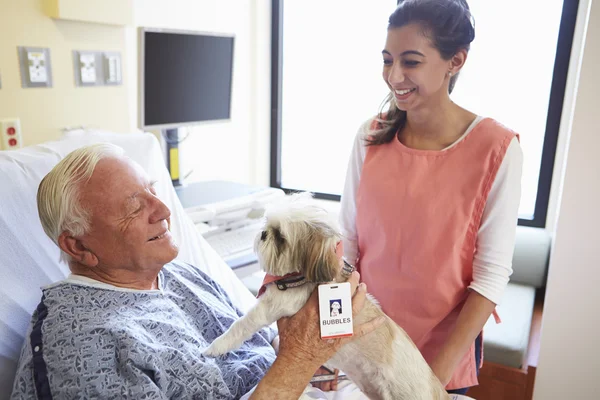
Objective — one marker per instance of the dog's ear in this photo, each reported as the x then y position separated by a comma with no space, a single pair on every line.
322,264
273,235
278,239
271,247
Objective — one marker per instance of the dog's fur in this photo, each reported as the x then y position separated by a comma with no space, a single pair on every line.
300,237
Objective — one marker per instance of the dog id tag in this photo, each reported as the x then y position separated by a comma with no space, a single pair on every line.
335,310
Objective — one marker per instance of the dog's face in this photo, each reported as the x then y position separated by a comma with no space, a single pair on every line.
299,237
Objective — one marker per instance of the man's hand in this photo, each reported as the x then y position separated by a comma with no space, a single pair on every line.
300,334
327,386
301,349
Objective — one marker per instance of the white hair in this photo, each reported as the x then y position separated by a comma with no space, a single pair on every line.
58,196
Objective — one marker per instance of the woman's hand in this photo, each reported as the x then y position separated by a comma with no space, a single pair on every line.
470,322
443,372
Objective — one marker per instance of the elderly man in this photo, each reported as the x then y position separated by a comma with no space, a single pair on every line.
129,322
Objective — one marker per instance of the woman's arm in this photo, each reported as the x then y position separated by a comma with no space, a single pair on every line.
492,263
347,217
472,318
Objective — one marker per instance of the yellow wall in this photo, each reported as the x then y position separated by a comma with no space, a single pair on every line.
45,111
115,12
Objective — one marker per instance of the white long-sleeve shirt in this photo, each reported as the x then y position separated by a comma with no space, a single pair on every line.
492,264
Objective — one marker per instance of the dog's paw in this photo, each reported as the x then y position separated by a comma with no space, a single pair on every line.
218,347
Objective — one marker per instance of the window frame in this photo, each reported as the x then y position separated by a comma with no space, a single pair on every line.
553,118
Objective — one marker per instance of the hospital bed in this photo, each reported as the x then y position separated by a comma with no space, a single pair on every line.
30,260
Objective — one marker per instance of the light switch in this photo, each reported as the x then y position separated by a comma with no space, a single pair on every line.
87,67
112,68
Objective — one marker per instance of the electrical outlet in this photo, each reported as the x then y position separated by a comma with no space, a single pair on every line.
87,67
10,133
35,67
36,63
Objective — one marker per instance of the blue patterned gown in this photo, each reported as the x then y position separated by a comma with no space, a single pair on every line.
89,342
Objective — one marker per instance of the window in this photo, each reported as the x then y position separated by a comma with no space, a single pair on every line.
326,81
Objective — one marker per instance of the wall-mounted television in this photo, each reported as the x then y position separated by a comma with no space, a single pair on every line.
185,77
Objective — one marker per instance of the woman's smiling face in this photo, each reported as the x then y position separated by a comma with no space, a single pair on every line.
413,68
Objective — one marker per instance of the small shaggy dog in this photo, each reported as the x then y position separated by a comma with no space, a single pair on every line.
299,243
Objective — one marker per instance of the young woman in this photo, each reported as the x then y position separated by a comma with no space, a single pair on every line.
430,203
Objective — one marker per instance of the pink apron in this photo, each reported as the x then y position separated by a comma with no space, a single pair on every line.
418,214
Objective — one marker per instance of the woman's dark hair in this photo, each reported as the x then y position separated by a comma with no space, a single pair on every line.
450,27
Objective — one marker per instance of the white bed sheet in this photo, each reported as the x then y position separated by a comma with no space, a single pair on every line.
29,259
346,391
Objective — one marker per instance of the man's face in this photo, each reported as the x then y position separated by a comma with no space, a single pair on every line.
129,227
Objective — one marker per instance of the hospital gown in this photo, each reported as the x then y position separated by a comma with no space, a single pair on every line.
87,342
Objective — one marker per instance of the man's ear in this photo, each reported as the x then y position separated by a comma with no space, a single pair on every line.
75,248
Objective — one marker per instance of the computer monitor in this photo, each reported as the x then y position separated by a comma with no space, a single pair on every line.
185,79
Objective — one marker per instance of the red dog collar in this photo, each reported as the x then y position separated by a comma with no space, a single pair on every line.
292,280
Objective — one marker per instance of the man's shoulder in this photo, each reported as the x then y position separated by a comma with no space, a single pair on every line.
65,327
68,309
181,269
177,278
76,337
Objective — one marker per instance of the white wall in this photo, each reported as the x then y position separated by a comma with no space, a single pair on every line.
260,149
567,115
569,361
237,150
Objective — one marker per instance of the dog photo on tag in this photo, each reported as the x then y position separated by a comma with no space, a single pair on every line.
336,307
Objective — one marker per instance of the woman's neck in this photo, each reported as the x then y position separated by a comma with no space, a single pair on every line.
435,127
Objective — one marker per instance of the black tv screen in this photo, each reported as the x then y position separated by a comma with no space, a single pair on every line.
186,78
